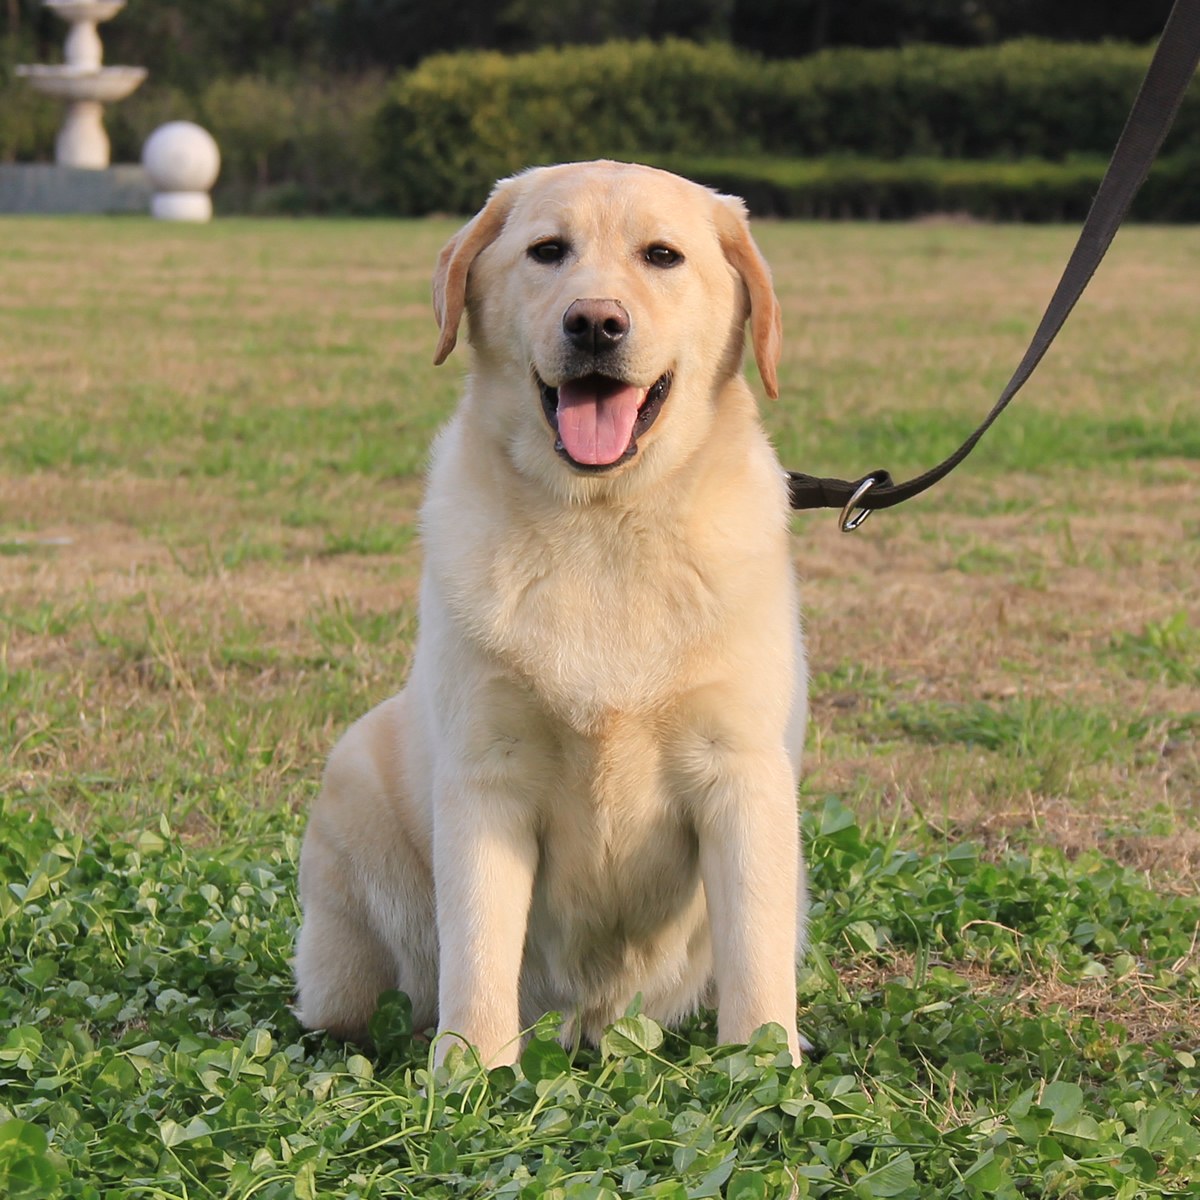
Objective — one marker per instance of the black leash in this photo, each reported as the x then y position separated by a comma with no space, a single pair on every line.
1154,110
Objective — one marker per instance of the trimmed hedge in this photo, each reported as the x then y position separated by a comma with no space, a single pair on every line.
453,125
1027,190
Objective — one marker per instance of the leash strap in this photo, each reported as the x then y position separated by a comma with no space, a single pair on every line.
1154,110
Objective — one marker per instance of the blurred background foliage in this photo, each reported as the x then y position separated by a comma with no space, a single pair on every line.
809,107
187,43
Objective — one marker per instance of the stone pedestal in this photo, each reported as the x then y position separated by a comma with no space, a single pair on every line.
44,188
181,206
81,141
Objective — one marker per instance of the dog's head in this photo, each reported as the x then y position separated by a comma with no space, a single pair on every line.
607,305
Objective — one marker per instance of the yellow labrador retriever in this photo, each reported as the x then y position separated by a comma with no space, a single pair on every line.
587,791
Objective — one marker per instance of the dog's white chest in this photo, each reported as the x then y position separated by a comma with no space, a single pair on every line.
592,621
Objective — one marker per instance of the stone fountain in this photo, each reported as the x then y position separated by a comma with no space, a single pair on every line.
84,83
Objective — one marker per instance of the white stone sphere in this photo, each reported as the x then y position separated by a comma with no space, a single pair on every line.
181,157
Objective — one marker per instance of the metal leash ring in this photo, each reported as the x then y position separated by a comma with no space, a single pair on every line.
850,520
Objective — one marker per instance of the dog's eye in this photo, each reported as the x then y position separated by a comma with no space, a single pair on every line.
663,256
548,251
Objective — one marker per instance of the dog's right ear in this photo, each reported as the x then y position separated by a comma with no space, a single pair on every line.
454,264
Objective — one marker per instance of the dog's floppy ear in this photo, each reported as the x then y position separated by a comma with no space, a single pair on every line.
766,318
454,264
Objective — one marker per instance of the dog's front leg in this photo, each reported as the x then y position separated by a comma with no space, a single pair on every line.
750,864
485,857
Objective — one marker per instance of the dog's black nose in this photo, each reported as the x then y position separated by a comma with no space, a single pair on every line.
596,325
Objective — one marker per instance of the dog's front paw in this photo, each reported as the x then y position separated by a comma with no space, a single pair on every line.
487,1052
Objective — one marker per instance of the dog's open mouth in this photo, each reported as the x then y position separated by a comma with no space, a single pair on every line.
599,420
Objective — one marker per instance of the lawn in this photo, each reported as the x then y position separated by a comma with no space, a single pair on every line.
210,459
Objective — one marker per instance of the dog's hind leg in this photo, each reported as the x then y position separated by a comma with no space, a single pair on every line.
366,891
342,965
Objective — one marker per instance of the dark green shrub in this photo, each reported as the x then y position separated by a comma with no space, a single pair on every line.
302,145
1172,193
1025,190
841,188
458,122
28,122
132,121
1024,99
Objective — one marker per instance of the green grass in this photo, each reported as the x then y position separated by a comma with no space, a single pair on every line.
150,1043
1025,440
1168,649
210,461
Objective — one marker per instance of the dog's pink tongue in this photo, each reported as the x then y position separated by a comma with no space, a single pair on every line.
595,419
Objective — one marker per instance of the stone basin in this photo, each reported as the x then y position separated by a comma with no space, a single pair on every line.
85,10
106,84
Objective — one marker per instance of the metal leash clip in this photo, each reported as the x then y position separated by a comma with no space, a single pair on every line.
850,520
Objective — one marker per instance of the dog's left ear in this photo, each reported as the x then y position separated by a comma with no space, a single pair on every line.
766,318
454,264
